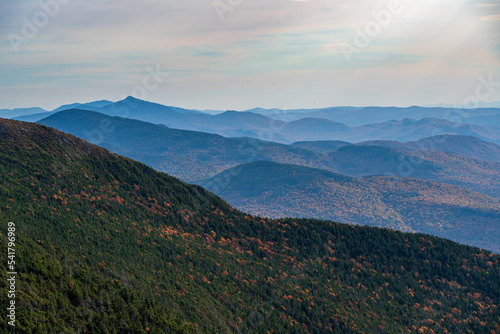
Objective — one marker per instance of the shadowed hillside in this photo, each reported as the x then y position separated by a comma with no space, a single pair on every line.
274,190
189,155
466,146
194,156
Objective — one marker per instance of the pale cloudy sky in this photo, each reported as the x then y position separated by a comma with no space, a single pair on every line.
240,54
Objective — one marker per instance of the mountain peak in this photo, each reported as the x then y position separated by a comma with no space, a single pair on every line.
131,98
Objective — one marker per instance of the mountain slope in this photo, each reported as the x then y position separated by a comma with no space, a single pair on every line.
275,190
188,155
55,296
285,130
467,146
85,106
317,129
366,115
413,129
229,123
11,113
151,112
322,146
193,156
223,270
35,117
473,174
289,126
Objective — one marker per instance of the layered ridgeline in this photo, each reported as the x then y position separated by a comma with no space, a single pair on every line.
355,116
288,126
360,160
106,241
275,190
466,146
194,156
189,155
487,115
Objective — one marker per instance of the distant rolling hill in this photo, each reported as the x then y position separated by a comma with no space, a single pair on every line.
194,156
276,190
18,112
358,116
87,106
359,160
408,129
467,146
131,107
415,129
322,146
229,123
317,129
251,124
411,124
488,114
36,116
189,155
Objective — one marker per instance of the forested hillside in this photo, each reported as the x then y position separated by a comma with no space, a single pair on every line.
466,146
276,190
478,175
106,233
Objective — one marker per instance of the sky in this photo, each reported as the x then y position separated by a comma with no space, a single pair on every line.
241,54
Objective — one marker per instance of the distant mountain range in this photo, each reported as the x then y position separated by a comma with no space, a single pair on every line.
19,112
251,124
315,129
322,146
467,146
288,126
36,114
495,104
275,190
366,115
194,156
189,155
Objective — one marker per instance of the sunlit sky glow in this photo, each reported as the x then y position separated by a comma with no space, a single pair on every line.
280,53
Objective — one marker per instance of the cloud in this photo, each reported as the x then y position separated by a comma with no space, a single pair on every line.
104,46
491,18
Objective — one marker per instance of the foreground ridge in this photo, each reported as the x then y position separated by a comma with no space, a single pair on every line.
105,232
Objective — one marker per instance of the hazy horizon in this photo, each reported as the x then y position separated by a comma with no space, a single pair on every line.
437,105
